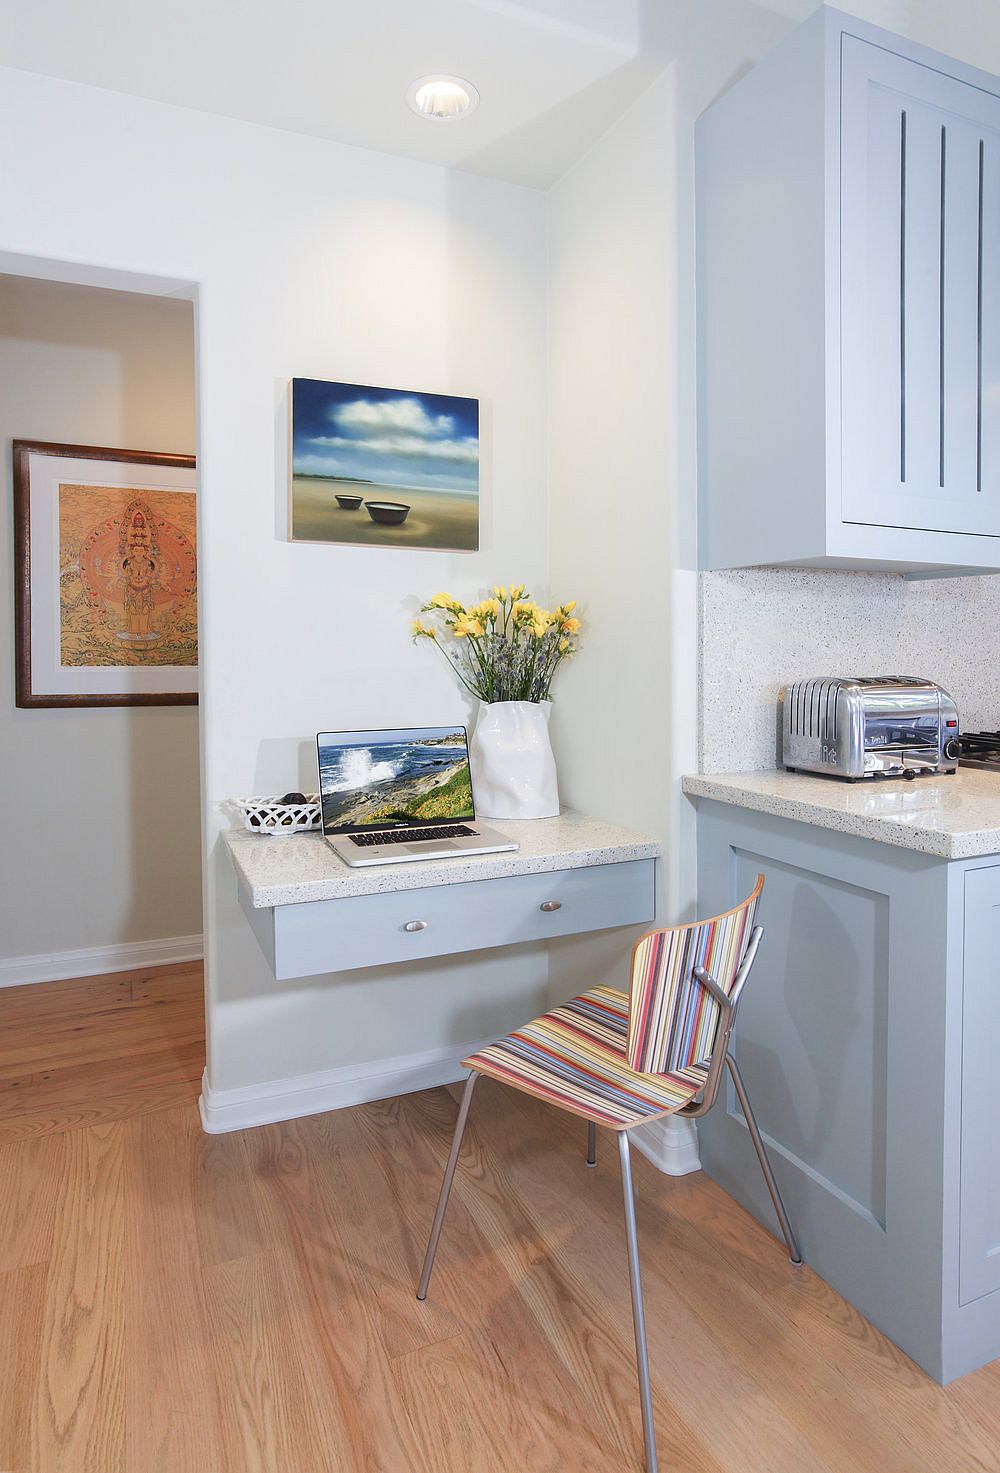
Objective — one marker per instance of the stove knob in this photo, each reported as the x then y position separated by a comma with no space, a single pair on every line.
952,749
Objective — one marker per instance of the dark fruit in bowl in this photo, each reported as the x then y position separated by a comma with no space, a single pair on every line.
293,798
255,820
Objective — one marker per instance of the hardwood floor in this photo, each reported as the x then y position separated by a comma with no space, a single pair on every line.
172,1302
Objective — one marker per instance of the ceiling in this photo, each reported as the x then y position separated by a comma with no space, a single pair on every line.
552,74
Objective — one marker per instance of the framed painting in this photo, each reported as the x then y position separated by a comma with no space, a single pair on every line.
383,467
106,610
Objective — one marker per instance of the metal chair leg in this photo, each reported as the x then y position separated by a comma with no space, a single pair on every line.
772,1186
638,1314
591,1143
449,1176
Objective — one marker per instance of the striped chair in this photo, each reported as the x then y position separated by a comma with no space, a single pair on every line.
620,1061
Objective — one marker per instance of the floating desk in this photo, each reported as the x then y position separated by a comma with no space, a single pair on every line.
312,914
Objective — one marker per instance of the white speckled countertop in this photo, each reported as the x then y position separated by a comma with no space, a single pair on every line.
304,867
955,817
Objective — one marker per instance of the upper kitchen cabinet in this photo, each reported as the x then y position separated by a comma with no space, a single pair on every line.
848,197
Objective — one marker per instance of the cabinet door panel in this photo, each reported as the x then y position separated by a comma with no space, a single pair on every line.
920,292
979,1250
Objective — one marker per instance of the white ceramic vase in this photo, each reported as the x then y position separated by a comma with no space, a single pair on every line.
513,769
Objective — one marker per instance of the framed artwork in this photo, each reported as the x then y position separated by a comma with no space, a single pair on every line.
106,607
383,467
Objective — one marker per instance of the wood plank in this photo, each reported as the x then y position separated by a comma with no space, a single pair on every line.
31,1172
472,1420
84,995
94,1092
22,1309
171,1419
373,1432
80,1402
105,1035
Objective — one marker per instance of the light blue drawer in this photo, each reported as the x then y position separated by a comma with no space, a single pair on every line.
370,930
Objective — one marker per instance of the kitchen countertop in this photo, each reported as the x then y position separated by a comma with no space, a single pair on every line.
275,871
952,817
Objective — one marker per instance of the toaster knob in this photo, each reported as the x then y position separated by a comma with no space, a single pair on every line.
952,749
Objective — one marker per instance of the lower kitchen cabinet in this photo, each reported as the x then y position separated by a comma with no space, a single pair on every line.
869,1038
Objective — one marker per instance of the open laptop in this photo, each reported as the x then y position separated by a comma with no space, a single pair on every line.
393,796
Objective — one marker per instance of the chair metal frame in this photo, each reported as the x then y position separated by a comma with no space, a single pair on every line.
720,1058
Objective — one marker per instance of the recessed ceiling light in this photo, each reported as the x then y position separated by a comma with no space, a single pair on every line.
442,99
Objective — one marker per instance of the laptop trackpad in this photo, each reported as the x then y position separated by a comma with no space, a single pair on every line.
440,846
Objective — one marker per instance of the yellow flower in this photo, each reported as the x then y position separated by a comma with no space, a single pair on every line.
524,611
563,646
517,592
466,625
418,628
571,626
500,591
488,609
568,608
446,601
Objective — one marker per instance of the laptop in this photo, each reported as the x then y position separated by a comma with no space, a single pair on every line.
389,797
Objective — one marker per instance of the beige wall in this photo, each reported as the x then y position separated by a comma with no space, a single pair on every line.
100,807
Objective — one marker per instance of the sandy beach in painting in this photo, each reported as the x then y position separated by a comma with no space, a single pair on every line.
436,518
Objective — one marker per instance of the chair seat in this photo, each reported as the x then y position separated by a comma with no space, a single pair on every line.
574,1057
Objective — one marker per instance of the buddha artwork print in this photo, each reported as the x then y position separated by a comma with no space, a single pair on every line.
127,591
106,574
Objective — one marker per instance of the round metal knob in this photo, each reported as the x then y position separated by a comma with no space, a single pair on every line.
952,749
548,905
415,926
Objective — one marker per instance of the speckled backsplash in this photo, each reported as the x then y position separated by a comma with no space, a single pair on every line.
762,628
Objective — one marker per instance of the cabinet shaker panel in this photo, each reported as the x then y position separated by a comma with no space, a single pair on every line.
979,1250
920,295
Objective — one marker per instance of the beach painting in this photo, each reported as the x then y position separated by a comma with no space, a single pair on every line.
383,467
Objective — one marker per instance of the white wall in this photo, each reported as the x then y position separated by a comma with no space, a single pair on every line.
622,452
622,478
323,261
613,486
102,803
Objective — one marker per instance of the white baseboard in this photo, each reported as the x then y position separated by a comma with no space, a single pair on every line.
671,1145
330,1089
93,961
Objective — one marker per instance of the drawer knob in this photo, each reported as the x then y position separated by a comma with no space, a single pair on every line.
415,926
548,905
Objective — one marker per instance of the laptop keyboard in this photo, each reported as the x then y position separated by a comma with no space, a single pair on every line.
414,836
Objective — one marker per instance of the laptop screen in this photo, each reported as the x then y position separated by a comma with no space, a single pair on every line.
394,779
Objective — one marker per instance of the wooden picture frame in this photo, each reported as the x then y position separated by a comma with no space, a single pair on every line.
105,606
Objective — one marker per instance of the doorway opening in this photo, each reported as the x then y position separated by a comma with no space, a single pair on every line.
104,882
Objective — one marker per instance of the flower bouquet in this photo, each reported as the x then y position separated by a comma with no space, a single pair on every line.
506,650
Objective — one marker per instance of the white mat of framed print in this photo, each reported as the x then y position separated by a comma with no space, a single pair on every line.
377,467
106,576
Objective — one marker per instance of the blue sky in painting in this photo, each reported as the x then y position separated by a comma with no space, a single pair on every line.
394,437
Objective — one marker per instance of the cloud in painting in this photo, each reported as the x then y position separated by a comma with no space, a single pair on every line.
388,437
407,415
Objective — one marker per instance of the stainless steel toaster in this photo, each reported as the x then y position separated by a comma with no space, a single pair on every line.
869,726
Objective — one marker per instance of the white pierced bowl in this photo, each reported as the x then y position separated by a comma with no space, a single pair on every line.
281,820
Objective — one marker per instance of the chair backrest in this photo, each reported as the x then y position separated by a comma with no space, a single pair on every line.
672,1019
